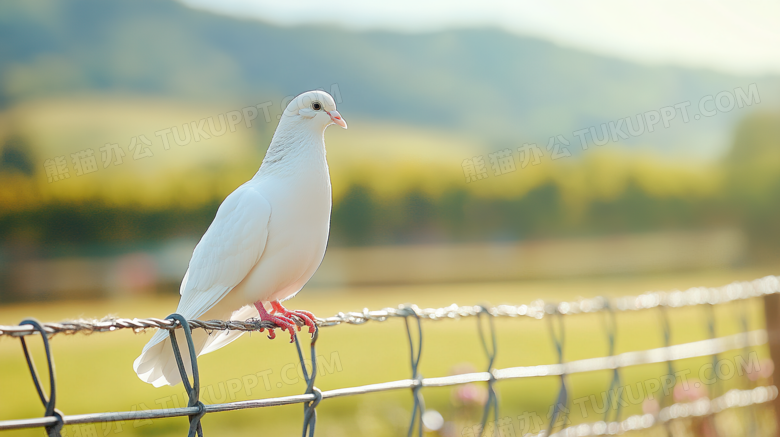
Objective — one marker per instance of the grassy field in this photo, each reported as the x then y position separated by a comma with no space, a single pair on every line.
95,372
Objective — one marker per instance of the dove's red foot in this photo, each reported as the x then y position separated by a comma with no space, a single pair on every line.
281,321
307,317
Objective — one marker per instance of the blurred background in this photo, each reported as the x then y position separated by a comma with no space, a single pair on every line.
495,153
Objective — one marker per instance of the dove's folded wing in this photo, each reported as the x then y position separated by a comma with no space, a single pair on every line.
229,249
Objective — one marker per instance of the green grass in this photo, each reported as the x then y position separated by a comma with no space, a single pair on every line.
95,371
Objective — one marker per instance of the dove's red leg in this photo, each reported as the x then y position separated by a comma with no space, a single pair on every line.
282,321
307,317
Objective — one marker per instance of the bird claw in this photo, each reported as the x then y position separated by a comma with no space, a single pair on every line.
282,321
305,316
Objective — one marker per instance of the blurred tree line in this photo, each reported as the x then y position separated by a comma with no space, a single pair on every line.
749,198
752,188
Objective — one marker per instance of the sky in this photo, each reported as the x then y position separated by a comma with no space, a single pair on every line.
731,36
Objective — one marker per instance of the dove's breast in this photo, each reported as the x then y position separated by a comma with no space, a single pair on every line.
297,236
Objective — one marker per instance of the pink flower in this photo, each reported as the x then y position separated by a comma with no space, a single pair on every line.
765,369
651,406
468,394
689,391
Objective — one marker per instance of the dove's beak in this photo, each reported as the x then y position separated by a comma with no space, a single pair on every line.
336,117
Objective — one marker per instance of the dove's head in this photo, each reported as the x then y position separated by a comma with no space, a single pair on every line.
316,109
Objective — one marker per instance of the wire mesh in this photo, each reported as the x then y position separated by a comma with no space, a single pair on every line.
53,420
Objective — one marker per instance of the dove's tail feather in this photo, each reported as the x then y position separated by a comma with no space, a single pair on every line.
223,338
157,365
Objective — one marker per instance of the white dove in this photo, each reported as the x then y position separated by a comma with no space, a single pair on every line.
266,241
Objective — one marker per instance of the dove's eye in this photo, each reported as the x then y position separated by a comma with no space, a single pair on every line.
316,106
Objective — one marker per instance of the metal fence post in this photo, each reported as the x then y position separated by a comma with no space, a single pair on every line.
772,315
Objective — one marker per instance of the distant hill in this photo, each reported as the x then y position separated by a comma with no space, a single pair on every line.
504,88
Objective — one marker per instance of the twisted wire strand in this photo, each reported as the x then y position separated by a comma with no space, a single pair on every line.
415,353
536,310
310,408
714,389
560,409
193,390
490,349
610,326
49,402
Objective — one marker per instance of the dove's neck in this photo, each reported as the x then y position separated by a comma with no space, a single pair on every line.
295,149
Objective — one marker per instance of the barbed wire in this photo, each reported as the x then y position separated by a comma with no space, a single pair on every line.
536,310
695,349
